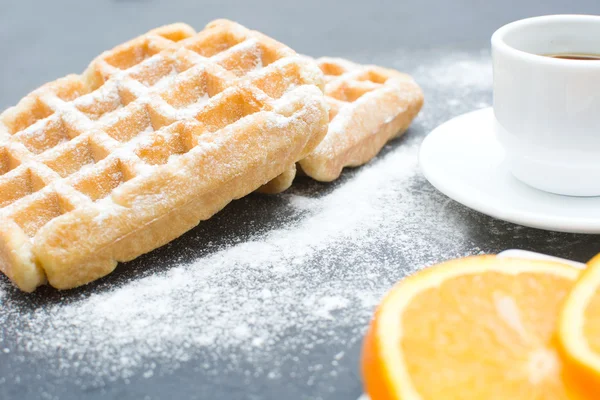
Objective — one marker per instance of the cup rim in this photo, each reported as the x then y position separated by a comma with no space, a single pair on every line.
499,43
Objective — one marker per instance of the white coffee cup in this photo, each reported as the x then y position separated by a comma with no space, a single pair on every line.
548,109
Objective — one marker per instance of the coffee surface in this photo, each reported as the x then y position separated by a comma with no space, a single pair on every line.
576,56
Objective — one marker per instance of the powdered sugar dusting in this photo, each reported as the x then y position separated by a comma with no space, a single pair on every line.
248,49
456,83
100,102
170,314
193,109
310,277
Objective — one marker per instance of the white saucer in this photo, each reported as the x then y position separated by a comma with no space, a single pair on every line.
463,160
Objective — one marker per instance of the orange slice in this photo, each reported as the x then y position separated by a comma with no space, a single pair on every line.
475,328
579,329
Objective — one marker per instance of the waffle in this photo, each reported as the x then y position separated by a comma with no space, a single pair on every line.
369,106
156,135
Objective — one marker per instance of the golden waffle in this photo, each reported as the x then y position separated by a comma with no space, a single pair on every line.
369,106
158,134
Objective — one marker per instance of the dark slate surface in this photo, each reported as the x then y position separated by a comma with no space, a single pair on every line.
42,40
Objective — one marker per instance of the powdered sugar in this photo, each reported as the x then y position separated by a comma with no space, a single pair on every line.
458,83
101,102
249,49
191,110
168,315
458,72
310,276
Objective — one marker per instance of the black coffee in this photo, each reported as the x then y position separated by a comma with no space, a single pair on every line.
576,56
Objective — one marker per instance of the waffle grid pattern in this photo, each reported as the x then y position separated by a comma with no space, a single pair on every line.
368,106
74,141
346,82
